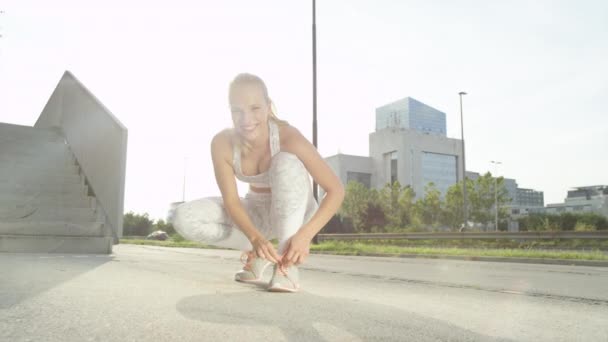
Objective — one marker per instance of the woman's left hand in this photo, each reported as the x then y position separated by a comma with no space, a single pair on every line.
296,251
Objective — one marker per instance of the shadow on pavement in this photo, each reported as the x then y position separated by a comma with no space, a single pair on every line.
24,275
308,317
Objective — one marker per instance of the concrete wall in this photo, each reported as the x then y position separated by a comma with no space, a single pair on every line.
97,139
409,146
341,164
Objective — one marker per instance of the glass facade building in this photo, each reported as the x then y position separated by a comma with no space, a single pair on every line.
441,169
409,113
530,198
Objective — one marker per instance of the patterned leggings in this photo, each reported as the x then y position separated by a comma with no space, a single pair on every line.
278,214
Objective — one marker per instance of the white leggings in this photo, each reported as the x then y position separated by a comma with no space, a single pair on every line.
278,214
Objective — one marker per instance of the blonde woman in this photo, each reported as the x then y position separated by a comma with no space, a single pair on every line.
276,160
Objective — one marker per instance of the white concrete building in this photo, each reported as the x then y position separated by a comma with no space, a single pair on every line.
410,146
582,199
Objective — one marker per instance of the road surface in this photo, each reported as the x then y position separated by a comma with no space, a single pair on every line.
147,293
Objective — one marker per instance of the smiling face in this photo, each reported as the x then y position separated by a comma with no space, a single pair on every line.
250,110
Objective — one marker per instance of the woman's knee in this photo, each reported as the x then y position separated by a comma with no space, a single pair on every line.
203,220
287,167
290,186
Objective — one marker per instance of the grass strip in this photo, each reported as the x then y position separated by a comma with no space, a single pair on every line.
357,248
362,248
577,244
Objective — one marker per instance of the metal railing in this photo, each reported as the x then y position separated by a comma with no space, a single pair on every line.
591,235
97,139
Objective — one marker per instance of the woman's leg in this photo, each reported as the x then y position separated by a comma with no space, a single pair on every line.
205,220
292,202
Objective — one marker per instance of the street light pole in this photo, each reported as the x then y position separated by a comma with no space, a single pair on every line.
314,86
464,168
496,163
315,186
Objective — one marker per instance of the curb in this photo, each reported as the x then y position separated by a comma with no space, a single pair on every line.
566,262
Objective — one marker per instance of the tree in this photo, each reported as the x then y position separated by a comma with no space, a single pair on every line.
428,209
375,219
453,209
355,204
164,226
483,199
389,202
136,225
406,207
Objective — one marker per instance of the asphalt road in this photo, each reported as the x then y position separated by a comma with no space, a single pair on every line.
145,293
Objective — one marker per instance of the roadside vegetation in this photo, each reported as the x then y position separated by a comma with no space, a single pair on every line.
437,248
397,209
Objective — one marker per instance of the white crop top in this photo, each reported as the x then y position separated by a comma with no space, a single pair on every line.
260,180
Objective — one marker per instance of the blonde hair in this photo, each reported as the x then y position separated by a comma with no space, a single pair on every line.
244,78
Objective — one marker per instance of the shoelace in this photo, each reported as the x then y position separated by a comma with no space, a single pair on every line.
250,256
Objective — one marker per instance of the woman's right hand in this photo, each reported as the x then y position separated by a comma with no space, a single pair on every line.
265,249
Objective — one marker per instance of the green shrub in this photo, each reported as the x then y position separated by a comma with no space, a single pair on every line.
177,238
564,221
583,227
137,225
598,221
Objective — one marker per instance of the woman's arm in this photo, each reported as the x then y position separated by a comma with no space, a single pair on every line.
221,154
323,175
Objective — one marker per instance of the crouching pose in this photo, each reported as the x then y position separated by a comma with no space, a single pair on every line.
276,160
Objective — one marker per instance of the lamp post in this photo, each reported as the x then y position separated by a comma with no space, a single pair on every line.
314,87
314,96
464,168
496,163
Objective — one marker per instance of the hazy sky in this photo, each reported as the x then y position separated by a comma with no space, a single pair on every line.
536,73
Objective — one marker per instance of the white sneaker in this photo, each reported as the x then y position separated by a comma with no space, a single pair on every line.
254,268
285,279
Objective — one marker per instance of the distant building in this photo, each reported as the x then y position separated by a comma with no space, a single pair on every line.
410,146
349,167
530,198
413,115
582,199
522,200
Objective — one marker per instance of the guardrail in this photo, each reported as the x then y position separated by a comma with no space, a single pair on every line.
469,235
97,139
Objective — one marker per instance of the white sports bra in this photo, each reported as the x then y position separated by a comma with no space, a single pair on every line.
260,180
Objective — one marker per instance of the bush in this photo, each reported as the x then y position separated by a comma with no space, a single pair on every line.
142,225
135,224
177,238
166,227
599,222
568,221
583,227
338,225
565,221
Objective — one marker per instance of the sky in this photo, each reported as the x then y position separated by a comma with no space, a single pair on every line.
536,74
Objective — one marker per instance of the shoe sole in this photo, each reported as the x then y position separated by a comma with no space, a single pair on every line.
282,289
247,280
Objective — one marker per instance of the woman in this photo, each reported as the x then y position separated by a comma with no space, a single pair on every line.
276,159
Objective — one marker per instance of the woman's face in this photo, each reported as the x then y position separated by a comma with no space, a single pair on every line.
250,110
